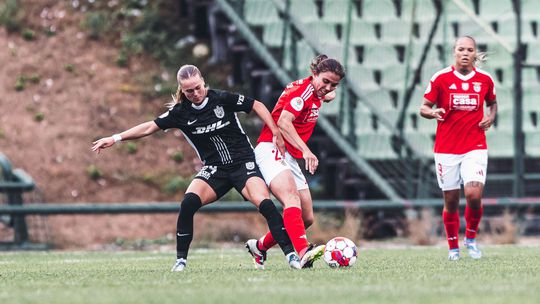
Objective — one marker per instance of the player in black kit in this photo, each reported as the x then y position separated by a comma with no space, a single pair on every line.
208,120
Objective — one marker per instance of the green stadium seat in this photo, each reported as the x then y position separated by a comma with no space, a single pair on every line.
380,99
304,55
378,10
531,99
322,32
397,32
528,123
533,53
421,143
473,29
427,126
304,10
332,108
498,57
375,146
393,77
505,100
363,77
495,10
380,56
362,33
500,143
530,10
505,120
417,99
336,11
363,122
424,10
273,34
532,143
454,13
507,30
444,34
260,12
335,50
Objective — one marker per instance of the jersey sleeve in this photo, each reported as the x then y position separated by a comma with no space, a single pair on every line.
168,120
432,90
236,102
491,94
293,102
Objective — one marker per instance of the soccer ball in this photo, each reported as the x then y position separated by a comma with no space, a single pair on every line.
340,252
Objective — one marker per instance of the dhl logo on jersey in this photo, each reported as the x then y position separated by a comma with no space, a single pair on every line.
464,102
210,128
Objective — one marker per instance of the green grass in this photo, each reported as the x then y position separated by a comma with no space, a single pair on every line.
507,274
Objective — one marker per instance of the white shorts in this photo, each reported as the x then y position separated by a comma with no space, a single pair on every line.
271,163
456,169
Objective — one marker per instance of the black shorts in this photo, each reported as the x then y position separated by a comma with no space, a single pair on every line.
222,178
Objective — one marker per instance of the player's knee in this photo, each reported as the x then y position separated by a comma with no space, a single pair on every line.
190,204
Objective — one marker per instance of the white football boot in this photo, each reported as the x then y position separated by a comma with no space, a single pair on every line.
453,254
472,249
179,265
259,256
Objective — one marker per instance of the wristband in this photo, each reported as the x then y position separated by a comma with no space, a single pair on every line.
117,137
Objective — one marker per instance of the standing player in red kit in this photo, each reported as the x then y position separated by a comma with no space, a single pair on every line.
459,93
296,114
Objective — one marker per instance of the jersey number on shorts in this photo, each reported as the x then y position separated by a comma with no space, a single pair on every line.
277,155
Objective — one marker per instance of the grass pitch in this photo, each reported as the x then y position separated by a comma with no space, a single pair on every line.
507,274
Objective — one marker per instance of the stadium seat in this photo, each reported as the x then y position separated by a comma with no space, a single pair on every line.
454,13
427,126
304,55
380,99
444,34
424,10
260,12
333,107
336,11
473,29
421,142
380,56
322,32
531,98
362,76
500,143
378,10
505,120
363,121
273,34
417,99
505,100
528,123
304,10
393,77
362,33
533,53
375,146
495,10
532,143
397,32
498,57
530,10
507,30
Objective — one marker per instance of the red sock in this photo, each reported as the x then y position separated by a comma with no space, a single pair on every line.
472,218
267,241
292,218
451,225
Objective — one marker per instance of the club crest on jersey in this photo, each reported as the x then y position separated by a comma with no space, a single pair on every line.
219,112
297,103
250,165
465,86
477,87
240,100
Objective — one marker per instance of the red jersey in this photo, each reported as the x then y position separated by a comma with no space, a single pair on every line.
299,99
462,97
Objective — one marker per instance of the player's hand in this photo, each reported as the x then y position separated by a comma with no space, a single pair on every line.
485,123
438,114
329,96
102,143
279,143
311,161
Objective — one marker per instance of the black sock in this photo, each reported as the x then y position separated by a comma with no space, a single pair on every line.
275,223
184,226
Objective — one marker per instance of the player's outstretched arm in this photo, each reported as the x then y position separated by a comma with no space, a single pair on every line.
488,120
266,117
138,131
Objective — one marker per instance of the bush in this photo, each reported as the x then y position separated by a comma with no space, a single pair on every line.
178,156
131,147
40,116
96,23
10,16
177,184
93,172
20,84
28,34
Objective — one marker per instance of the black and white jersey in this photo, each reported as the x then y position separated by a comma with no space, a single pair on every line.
212,128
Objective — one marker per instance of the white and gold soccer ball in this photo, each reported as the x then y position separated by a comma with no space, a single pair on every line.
340,252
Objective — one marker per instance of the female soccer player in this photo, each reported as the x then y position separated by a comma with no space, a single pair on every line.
208,120
459,93
296,114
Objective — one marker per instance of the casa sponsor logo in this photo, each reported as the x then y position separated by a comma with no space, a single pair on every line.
210,128
219,112
464,102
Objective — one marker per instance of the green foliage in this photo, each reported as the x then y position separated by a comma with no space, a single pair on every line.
130,147
177,184
178,156
20,83
94,172
40,116
28,34
68,67
35,78
508,274
96,24
122,59
10,16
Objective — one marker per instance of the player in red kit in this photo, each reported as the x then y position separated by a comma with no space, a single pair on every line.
459,93
296,114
